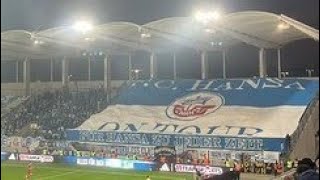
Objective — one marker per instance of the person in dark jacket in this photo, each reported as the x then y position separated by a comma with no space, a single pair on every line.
306,170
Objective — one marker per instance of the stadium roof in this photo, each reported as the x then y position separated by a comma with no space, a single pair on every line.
260,29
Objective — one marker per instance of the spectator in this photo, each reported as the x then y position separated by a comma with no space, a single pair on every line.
306,170
237,168
53,112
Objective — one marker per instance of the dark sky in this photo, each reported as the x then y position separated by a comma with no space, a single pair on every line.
31,14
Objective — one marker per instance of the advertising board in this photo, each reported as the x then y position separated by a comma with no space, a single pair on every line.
36,158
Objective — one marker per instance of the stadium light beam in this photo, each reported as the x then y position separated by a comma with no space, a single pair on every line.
82,26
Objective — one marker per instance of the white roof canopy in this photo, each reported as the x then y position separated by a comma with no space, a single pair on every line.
260,29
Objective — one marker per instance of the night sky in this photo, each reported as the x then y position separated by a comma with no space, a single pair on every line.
242,59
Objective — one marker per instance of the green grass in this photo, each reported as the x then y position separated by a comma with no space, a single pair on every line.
17,171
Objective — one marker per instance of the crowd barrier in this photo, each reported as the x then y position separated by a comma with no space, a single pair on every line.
26,157
82,161
117,163
135,165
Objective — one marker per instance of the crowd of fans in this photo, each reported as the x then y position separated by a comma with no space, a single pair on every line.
5,100
52,112
10,102
49,114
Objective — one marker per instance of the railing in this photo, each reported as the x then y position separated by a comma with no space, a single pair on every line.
303,121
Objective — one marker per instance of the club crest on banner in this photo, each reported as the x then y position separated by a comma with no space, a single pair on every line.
195,105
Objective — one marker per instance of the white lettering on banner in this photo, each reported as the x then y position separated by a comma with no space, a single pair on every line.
250,82
244,84
275,83
255,144
297,84
239,143
175,129
100,162
82,161
162,140
92,162
226,86
191,168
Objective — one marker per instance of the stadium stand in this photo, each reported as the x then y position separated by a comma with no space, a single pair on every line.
52,112
10,102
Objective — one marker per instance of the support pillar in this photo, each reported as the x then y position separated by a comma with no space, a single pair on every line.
17,71
107,76
65,72
279,63
89,68
130,67
224,72
174,66
204,65
153,66
51,69
262,63
26,76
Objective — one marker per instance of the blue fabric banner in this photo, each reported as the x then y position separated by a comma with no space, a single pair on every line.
187,141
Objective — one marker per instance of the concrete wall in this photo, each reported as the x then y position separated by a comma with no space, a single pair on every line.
307,145
16,89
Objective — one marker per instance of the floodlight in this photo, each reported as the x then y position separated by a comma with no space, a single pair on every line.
283,26
145,35
206,17
136,71
37,42
82,26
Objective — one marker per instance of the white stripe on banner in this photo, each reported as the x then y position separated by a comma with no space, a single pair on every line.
271,122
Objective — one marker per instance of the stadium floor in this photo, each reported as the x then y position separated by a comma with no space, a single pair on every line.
17,171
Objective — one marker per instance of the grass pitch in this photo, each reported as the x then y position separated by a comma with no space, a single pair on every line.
17,171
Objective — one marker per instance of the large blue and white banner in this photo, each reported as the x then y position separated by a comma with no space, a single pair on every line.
255,108
176,140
